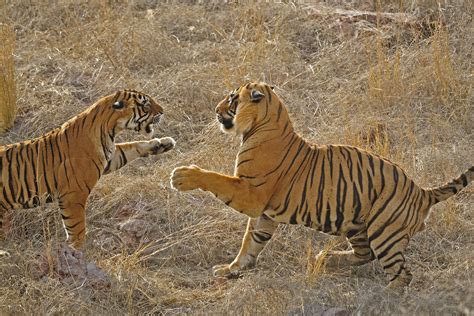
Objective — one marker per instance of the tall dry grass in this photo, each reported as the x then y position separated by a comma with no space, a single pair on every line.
7,78
399,90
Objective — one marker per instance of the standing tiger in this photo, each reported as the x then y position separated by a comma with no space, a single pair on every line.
339,190
66,163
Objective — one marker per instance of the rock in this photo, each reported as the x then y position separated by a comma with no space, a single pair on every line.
108,242
135,227
71,267
71,263
38,267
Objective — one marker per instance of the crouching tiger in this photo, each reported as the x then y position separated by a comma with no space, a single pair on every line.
66,163
339,190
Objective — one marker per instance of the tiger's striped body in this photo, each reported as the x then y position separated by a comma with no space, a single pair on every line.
66,163
339,190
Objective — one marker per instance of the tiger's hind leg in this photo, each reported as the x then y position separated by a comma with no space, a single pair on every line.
126,152
388,237
259,231
74,218
359,255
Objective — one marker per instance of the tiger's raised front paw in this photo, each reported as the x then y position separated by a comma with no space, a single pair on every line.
186,178
159,145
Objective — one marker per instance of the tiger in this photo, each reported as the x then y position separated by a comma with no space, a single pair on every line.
65,164
279,177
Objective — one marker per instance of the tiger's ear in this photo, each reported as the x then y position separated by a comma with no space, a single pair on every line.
118,105
256,96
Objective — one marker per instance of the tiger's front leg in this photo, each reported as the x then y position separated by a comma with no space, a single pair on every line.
259,231
236,192
126,152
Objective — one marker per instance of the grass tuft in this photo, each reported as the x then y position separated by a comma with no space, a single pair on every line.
7,78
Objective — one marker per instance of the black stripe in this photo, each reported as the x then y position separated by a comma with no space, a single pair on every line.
330,156
301,146
293,216
246,177
389,247
320,197
382,208
388,266
53,165
356,204
371,163
7,200
327,223
269,93
123,156
382,175
289,146
360,180
287,201
340,198
286,126
243,161
314,165
99,172
371,188
32,154
10,174
248,149
280,107
69,227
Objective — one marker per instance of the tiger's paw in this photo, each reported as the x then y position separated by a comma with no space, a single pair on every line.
186,178
234,269
400,284
160,145
226,270
336,260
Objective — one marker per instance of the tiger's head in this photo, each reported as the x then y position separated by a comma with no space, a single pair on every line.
248,107
135,111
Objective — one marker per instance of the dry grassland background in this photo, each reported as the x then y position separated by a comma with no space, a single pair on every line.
400,86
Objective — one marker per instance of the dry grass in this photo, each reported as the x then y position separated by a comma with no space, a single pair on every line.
7,78
402,91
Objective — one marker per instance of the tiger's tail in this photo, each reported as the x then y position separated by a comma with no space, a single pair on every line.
446,191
